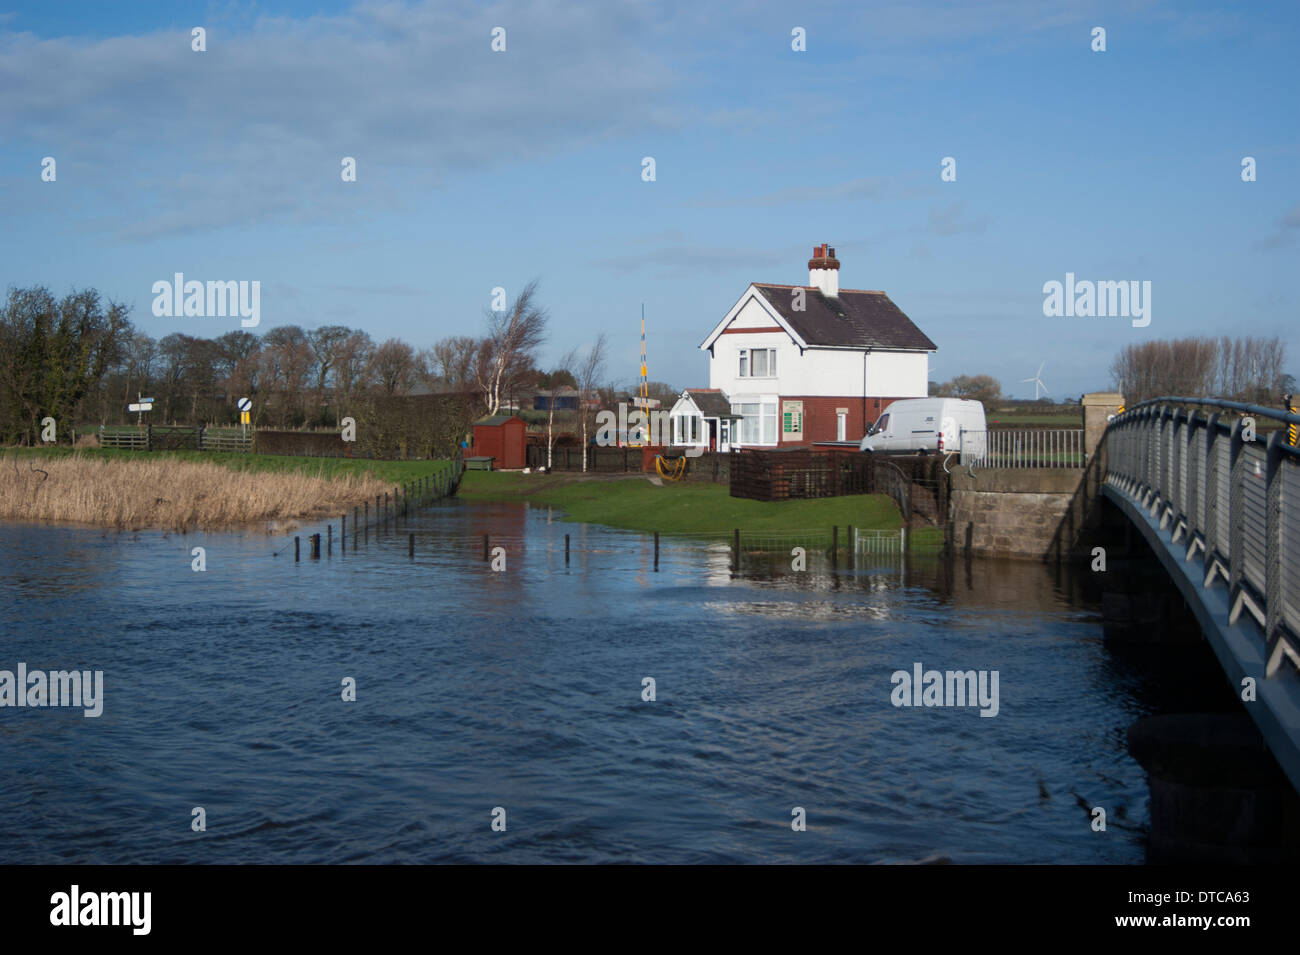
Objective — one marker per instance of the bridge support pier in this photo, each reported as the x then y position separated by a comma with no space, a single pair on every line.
1217,793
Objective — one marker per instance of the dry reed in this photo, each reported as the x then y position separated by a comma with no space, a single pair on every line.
171,494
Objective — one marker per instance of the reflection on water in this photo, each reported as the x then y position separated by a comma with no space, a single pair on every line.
522,689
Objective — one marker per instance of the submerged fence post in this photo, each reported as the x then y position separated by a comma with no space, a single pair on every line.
835,544
853,545
297,556
343,535
315,547
735,550
566,550
656,550
485,547
368,521
329,540
410,546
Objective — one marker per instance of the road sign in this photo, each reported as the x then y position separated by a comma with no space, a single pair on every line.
142,406
243,417
243,404
146,401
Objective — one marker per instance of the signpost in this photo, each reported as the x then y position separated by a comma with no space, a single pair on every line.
245,406
140,407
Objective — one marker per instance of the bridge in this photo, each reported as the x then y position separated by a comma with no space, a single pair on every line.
1220,508
1188,511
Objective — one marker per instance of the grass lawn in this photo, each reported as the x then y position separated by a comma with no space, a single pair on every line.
691,508
1070,419
391,472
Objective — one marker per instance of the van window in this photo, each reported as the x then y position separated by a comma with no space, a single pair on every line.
882,424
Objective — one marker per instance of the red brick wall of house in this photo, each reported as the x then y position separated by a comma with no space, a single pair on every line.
819,417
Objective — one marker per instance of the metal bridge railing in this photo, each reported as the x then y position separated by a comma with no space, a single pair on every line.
1024,448
1233,499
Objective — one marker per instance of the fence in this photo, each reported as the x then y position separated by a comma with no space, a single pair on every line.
1024,448
156,438
390,509
798,473
1234,501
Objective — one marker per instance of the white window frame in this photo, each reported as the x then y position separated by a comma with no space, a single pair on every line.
746,365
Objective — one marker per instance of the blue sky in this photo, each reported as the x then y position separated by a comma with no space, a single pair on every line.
479,169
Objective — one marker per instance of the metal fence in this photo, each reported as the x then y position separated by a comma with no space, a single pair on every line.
1024,448
1230,498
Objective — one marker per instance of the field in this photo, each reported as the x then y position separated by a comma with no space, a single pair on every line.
634,503
183,490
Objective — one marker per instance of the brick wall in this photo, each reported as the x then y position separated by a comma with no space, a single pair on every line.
819,417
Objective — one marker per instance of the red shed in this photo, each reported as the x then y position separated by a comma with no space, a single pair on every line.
500,437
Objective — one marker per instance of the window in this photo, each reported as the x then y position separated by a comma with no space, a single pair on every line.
757,423
758,363
841,425
882,424
686,429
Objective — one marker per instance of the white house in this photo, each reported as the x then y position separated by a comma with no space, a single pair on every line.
805,363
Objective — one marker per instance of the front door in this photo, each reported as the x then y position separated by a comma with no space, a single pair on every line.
724,435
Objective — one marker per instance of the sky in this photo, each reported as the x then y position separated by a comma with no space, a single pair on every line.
478,169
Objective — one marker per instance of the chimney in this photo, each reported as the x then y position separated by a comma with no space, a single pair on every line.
824,271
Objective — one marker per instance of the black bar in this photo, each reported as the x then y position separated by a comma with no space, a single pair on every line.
735,551
566,550
656,550
410,546
329,539
296,555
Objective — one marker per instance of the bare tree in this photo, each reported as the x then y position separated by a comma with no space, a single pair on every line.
393,366
513,336
587,371
325,343
351,358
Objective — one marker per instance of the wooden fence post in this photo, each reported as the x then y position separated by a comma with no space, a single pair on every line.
315,547
656,550
735,551
485,547
410,546
835,544
566,550
297,556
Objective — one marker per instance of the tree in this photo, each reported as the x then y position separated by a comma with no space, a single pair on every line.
450,363
513,336
53,354
587,371
393,366
351,359
1239,369
982,388
561,376
286,367
326,343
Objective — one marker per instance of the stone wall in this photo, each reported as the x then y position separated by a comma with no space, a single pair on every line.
1010,512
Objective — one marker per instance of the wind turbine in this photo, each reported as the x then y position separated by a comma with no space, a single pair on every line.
1037,382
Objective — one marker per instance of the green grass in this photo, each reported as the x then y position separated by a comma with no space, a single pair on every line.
1070,419
690,508
393,472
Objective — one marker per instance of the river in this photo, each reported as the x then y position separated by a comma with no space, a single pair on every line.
521,690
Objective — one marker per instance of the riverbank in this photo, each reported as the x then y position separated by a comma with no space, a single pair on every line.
634,503
189,490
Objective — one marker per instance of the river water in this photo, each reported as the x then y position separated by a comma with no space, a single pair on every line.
521,689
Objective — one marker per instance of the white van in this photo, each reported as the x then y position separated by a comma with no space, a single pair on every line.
918,424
